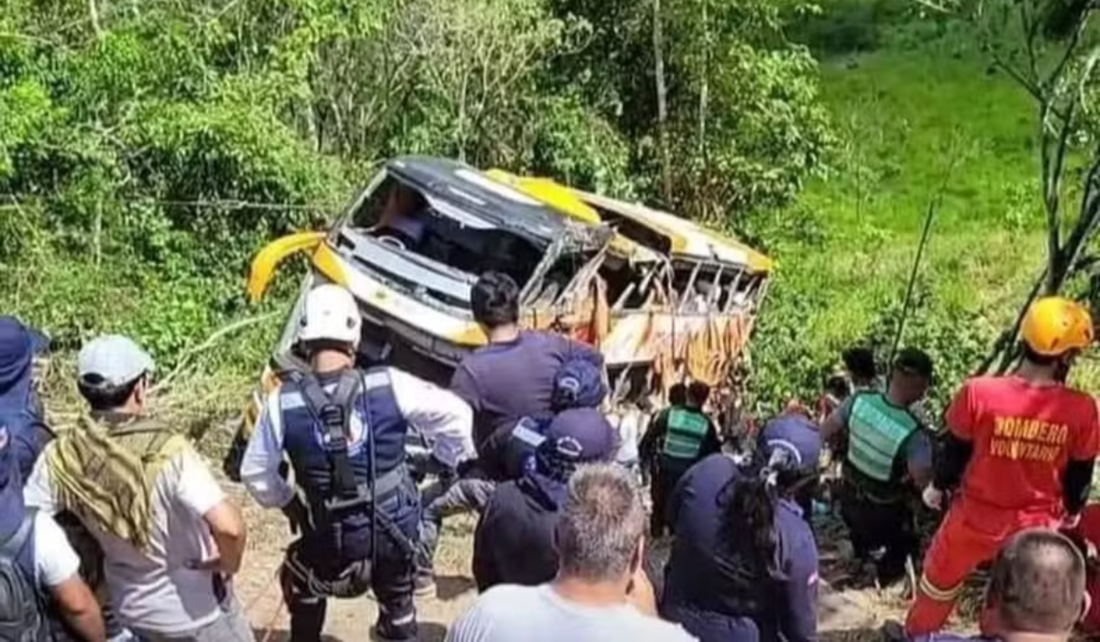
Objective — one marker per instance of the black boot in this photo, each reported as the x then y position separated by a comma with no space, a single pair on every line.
307,620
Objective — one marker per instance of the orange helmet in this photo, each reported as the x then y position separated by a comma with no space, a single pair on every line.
1055,325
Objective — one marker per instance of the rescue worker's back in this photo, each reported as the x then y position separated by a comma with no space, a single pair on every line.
744,564
1024,449
1025,432
344,431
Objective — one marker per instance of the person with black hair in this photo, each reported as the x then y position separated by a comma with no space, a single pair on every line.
887,460
519,377
1021,451
513,376
800,435
859,362
744,563
837,389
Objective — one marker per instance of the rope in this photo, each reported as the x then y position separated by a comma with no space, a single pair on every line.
259,596
269,627
236,204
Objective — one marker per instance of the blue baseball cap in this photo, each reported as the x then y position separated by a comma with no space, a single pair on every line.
580,435
796,436
577,384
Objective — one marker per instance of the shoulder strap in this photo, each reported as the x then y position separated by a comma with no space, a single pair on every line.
334,414
14,544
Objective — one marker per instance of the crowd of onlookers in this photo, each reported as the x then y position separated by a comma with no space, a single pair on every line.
114,528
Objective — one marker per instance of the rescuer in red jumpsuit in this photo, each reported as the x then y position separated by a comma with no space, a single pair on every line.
1086,535
1023,447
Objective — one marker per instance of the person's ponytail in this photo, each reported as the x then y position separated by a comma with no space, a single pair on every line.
749,521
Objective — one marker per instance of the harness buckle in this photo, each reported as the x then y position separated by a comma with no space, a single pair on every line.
332,415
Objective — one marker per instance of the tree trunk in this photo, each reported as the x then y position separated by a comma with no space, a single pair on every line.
704,93
704,85
662,102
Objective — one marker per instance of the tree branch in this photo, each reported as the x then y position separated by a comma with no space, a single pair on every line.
1087,223
210,342
1015,74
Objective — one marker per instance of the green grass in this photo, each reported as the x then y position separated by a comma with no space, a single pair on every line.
924,103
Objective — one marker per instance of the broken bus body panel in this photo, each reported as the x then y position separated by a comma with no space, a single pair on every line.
411,245
696,319
682,298
664,299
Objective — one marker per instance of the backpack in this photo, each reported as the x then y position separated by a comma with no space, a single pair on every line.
21,616
105,476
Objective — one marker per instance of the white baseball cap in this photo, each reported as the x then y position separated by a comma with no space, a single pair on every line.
112,361
331,314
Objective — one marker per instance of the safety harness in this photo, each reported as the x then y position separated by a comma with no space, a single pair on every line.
346,495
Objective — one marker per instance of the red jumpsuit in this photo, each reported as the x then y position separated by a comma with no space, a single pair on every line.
1023,436
1089,531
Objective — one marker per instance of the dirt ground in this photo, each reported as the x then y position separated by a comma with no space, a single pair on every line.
348,620
844,615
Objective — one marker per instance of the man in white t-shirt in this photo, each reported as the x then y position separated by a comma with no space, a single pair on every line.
601,592
171,540
37,548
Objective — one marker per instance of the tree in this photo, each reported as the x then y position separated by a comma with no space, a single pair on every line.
732,101
1046,47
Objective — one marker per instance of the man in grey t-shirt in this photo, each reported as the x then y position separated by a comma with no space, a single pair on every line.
601,592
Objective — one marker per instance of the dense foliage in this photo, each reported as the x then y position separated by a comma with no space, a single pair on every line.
148,148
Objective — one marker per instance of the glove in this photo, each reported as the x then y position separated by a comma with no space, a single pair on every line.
297,514
932,497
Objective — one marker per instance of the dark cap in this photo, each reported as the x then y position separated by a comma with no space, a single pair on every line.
578,384
580,435
795,434
914,361
18,345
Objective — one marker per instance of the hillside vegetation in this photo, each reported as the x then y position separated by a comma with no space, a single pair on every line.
922,117
148,149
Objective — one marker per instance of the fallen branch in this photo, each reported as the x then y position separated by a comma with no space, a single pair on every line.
210,342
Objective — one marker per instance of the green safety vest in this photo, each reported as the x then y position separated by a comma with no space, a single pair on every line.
876,432
686,431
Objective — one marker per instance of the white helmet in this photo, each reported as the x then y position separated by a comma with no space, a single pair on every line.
332,314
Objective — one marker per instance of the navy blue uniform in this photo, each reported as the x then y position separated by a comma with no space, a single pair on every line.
799,436
668,469
504,382
514,541
516,535
367,543
20,410
718,599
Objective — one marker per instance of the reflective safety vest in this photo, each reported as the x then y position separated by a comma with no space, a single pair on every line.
877,430
371,454
687,429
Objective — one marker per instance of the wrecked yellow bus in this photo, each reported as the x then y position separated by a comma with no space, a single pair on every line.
663,299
